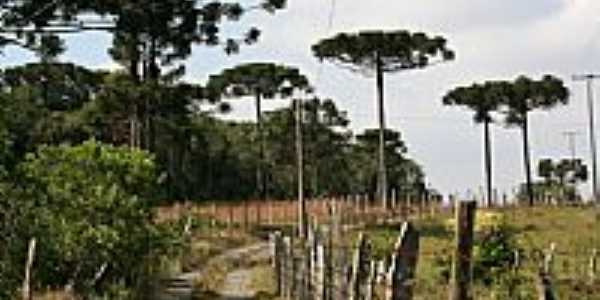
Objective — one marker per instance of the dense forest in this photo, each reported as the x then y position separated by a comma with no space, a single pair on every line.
200,156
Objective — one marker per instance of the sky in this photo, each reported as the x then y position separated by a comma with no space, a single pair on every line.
493,39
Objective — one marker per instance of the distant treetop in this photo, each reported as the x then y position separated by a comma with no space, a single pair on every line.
397,50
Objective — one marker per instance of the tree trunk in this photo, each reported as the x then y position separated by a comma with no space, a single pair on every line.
153,73
527,159
488,161
261,185
135,75
382,176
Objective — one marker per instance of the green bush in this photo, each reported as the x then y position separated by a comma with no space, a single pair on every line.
87,206
494,253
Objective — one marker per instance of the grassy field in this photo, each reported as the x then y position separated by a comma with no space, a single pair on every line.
574,231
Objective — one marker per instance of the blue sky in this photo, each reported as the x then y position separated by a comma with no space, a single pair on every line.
494,39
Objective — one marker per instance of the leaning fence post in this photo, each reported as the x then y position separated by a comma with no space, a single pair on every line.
401,275
461,268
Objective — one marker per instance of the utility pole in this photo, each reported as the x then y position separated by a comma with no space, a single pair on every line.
589,79
302,222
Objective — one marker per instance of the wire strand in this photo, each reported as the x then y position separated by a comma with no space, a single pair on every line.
330,22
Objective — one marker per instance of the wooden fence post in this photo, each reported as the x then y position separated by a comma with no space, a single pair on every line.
320,274
270,211
401,275
26,290
304,292
422,206
544,287
549,259
394,200
213,209
461,268
289,270
258,207
277,263
358,265
230,220
246,211
371,279
593,266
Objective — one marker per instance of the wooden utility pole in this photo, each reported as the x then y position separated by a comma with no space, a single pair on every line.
302,227
381,173
589,79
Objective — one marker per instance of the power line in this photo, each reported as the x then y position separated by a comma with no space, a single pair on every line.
331,15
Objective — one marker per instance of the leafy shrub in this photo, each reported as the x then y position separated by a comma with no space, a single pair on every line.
88,206
494,253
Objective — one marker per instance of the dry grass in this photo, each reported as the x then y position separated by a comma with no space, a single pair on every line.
54,296
574,231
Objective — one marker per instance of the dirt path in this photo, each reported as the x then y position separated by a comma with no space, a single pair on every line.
237,282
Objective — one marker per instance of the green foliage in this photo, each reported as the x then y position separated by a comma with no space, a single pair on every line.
87,206
494,253
61,86
64,171
263,80
404,174
483,99
396,50
564,171
163,31
527,95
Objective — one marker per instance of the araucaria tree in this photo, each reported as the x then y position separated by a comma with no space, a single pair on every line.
148,36
382,52
528,95
261,81
483,100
